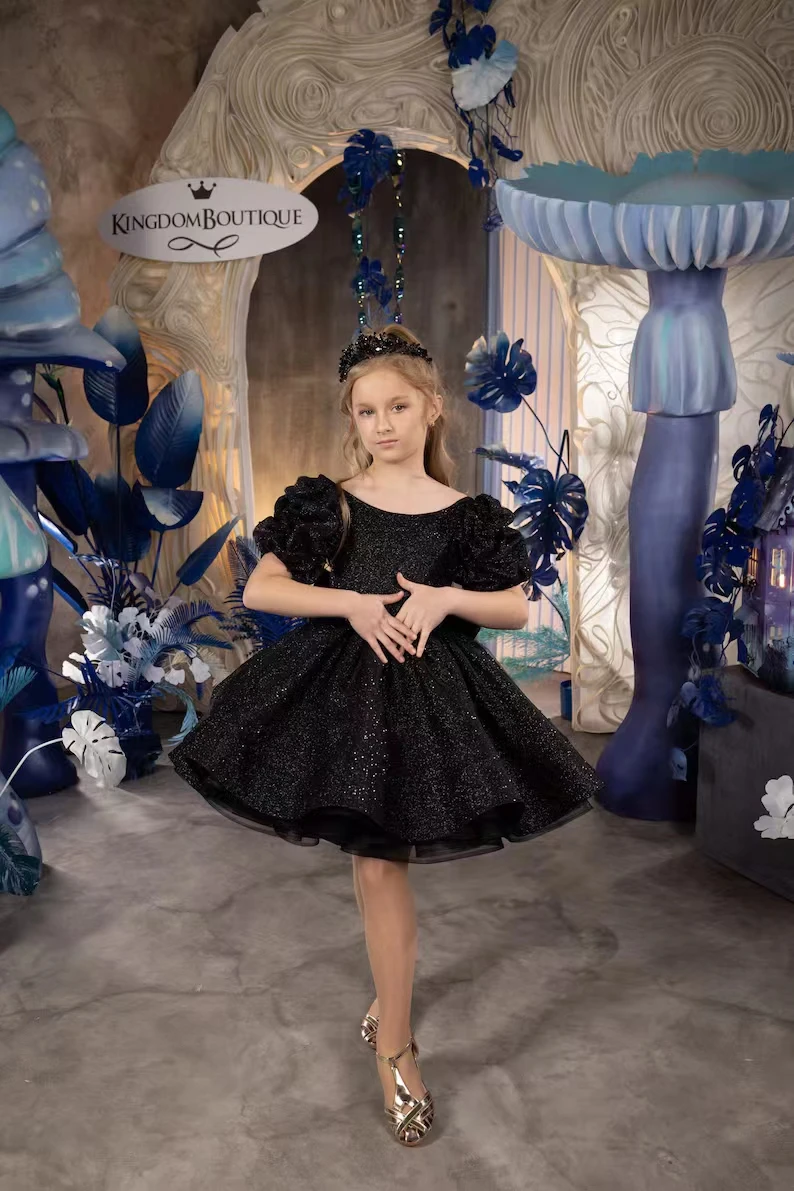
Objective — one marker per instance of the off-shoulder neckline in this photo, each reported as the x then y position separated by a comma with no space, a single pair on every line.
392,513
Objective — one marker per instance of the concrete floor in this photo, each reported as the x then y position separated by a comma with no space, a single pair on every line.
601,1009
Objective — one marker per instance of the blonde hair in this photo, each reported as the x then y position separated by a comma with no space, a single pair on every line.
421,375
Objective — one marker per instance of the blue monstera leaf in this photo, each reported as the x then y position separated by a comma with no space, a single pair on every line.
498,375
747,499
725,550
706,700
469,46
554,511
711,620
544,574
168,437
366,160
120,398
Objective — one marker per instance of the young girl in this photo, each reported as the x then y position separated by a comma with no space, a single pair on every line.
380,724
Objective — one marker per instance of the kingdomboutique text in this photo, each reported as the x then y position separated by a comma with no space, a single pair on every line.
206,219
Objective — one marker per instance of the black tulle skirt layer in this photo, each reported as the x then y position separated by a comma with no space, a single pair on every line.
436,758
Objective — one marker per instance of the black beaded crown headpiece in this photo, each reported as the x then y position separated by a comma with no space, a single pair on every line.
367,347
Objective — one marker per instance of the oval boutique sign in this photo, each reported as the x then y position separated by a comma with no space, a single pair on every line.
207,219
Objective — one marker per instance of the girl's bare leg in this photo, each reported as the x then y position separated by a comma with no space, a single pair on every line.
391,936
373,1009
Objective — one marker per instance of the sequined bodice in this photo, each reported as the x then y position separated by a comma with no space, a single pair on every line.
420,545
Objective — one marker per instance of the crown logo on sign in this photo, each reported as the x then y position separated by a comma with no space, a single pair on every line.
201,191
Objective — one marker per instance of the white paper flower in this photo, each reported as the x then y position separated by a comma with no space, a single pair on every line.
102,636
96,747
200,670
177,677
478,82
70,670
154,673
128,617
114,671
779,801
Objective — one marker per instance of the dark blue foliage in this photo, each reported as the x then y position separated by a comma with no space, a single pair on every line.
94,695
468,46
119,397
747,499
479,175
371,279
464,46
168,437
678,765
498,375
725,548
70,490
68,591
710,619
440,18
119,530
504,150
367,159
554,511
728,539
706,700
166,508
20,873
260,628
544,574
197,562
500,454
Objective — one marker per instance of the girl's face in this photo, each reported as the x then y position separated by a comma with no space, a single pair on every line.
390,415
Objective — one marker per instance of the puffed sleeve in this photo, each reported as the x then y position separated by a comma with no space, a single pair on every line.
492,554
305,528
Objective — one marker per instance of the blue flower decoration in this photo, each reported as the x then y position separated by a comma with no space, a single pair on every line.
370,279
499,376
478,81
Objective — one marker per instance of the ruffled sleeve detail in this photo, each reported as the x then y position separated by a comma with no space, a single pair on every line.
305,529
492,553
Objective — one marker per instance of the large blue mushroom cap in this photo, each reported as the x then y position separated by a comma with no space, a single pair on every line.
39,305
670,212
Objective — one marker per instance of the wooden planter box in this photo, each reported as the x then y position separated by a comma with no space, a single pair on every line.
735,763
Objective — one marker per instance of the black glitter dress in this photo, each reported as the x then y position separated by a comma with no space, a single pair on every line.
428,759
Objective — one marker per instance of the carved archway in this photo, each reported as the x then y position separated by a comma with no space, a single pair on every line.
598,81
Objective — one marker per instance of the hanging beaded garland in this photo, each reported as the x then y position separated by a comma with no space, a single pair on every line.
368,159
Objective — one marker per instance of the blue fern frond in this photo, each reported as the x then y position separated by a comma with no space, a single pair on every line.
20,873
14,681
190,719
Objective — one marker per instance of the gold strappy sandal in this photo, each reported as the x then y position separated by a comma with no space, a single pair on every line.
409,1119
369,1032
